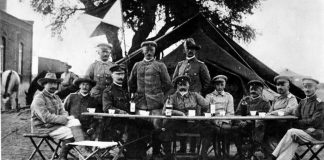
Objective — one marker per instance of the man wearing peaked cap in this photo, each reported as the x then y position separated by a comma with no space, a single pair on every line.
310,126
253,102
150,83
149,43
192,67
99,70
182,101
223,101
50,117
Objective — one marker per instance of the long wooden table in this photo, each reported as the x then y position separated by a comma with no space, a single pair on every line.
234,117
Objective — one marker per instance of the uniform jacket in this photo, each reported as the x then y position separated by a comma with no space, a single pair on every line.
258,104
189,101
99,72
47,113
115,97
151,81
287,104
197,71
222,101
76,103
68,78
310,114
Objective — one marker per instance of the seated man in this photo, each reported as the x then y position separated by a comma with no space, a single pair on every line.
223,102
78,102
285,103
310,123
49,115
182,101
253,102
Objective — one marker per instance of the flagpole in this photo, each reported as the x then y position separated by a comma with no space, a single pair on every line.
124,37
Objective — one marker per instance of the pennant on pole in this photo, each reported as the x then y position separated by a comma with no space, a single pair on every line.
114,15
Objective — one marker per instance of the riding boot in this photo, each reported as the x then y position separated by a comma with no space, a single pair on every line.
65,148
204,148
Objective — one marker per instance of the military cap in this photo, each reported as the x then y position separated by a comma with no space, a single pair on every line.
281,78
220,78
117,68
86,79
310,80
149,43
256,83
191,44
179,79
109,45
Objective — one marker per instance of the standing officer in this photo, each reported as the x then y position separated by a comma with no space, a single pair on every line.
310,123
99,70
150,81
192,67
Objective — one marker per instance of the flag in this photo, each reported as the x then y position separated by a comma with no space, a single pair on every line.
96,21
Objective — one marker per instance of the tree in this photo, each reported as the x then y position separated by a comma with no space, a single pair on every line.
141,15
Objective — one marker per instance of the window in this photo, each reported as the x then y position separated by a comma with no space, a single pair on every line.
20,57
3,53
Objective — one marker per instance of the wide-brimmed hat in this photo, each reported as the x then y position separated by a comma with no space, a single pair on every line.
256,83
149,43
49,77
183,78
77,82
191,44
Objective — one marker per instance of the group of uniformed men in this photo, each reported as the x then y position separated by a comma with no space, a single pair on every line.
150,87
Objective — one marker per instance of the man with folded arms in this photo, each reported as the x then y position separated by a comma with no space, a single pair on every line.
182,102
150,82
285,103
310,123
50,117
253,102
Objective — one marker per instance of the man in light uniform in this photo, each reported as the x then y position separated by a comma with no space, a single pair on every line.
50,117
99,71
68,77
310,123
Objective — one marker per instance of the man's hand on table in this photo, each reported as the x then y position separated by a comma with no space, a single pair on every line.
178,113
70,117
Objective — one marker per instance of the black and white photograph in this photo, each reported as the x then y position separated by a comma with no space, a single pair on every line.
162,79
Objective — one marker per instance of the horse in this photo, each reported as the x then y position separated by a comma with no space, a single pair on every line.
10,81
34,86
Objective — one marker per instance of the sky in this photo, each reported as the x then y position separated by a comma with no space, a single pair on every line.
290,34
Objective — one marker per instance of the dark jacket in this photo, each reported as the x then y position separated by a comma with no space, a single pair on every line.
310,114
151,82
197,71
75,104
258,104
115,97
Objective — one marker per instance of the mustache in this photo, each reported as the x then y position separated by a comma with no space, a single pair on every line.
52,88
182,89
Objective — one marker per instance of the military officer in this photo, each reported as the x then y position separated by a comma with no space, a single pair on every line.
310,126
99,70
192,67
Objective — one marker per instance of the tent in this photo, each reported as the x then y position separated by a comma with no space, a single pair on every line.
219,52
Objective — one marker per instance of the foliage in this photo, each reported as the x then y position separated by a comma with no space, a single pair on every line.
142,15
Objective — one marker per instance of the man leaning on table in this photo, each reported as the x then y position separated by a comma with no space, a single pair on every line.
310,123
183,101
253,102
150,82
223,102
286,103
49,116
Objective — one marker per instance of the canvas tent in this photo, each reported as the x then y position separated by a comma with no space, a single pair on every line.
219,52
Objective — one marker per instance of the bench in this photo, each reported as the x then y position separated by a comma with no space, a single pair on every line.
318,145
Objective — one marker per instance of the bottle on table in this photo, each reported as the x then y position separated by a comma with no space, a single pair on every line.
168,108
132,104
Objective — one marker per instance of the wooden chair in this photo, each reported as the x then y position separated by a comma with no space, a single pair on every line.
47,139
195,155
319,145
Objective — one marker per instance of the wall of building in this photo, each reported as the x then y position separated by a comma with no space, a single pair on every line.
13,32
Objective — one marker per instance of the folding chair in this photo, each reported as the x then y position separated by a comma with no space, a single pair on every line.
319,145
47,139
101,148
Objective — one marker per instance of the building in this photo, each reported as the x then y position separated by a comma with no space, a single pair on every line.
16,45
50,65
